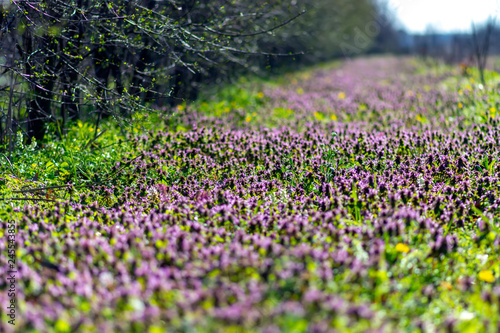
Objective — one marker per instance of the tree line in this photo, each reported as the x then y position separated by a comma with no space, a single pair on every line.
83,59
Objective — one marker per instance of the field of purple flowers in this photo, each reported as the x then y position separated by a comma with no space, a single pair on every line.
353,198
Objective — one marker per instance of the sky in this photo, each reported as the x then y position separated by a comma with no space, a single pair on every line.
443,15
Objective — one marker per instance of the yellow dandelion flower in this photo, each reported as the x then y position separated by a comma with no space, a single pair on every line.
260,95
446,285
341,95
180,107
333,117
319,115
460,105
400,247
248,119
486,276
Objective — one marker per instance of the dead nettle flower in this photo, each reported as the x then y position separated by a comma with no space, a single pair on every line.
443,245
449,324
360,312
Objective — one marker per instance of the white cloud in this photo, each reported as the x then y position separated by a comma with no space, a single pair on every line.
443,15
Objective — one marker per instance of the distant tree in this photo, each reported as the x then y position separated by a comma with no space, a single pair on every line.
323,30
481,47
389,39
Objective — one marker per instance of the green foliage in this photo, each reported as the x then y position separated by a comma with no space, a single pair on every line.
327,30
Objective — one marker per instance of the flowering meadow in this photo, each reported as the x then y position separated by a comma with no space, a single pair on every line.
358,197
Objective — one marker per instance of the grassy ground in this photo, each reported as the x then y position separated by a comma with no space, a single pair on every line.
353,197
